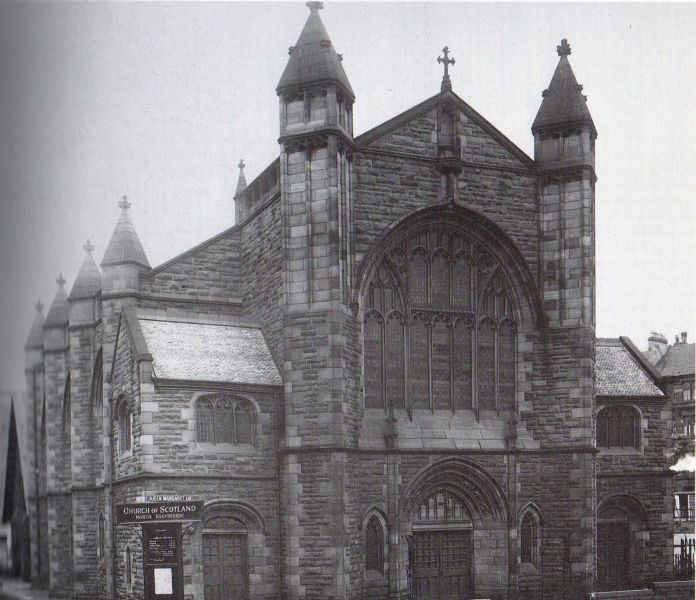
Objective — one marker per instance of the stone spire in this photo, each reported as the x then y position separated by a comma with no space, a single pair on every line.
124,246
35,339
313,58
563,103
241,182
58,313
88,281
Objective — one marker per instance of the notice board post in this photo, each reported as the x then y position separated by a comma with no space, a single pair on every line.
163,557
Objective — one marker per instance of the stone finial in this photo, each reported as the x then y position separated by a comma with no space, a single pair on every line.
61,280
124,204
446,61
315,6
564,48
241,165
88,247
39,306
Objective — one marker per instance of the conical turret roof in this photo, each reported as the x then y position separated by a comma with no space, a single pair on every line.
241,182
88,281
563,100
58,313
124,246
313,58
35,339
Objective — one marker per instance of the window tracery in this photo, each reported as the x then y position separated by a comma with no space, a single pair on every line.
222,419
618,427
439,330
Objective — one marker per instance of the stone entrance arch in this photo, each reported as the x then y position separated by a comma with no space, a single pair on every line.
453,533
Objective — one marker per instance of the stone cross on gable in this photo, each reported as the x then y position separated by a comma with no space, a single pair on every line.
315,6
447,61
39,306
564,48
124,204
88,247
241,164
61,280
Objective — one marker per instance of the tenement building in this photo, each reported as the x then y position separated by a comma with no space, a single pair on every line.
379,383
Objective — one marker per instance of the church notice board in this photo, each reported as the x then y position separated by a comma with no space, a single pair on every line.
163,564
163,561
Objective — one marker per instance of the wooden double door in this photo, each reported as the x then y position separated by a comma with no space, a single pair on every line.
225,567
442,565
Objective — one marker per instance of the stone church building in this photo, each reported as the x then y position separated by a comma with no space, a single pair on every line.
380,381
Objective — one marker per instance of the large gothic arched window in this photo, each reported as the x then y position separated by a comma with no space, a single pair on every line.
439,330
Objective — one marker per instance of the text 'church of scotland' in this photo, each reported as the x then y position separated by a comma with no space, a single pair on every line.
380,381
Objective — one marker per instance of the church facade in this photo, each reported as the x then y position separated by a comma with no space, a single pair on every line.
380,382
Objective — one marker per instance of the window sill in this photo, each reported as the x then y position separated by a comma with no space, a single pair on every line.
375,577
527,568
124,455
209,448
619,452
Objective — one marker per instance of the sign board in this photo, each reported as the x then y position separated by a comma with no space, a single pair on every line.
159,512
163,561
168,498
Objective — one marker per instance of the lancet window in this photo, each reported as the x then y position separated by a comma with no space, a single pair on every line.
439,329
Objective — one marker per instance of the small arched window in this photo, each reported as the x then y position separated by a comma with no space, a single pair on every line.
96,387
618,427
101,530
129,569
66,404
374,546
222,419
124,426
529,539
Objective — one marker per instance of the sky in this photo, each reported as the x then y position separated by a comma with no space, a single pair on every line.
160,101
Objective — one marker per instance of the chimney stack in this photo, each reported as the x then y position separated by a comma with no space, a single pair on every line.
683,335
657,346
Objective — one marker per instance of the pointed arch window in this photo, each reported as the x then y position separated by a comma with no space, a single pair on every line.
374,545
124,421
223,419
453,345
97,385
66,404
529,539
128,560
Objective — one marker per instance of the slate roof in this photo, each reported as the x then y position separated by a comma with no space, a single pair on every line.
124,246
201,352
619,373
88,281
678,360
563,101
313,58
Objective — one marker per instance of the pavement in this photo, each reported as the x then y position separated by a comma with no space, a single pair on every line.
16,589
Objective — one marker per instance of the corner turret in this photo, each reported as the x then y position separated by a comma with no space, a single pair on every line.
314,90
564,149
83,299
33,348
56,324
124,258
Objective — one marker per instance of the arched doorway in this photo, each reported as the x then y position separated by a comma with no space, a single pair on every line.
453,521
619,555
441,549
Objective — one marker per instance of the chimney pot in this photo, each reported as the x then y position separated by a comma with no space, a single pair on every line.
683,337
